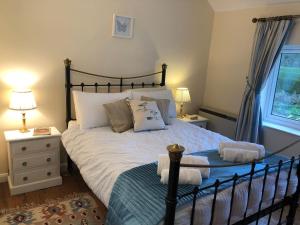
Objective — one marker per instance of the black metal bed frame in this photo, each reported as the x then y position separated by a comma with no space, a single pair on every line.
175,154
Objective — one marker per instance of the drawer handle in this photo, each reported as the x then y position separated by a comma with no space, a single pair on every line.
49,174
25,178
48,145
24,164
23,148
48,159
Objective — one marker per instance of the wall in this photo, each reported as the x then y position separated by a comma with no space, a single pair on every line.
229,57
36,36
230,51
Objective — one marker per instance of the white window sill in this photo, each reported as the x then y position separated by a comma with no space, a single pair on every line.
282,128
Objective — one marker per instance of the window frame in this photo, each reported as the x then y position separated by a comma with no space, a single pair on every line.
269,93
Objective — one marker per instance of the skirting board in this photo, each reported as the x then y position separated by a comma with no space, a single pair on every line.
3,177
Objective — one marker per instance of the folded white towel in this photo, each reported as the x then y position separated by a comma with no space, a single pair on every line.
164,163
186,176
242,145
239,155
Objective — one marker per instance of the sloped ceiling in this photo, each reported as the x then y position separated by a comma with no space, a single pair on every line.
227,5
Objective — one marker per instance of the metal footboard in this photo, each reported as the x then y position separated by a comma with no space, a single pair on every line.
289,200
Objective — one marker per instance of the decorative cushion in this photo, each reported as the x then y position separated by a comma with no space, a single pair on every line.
146,115
119,115
162,94
163,106
89,108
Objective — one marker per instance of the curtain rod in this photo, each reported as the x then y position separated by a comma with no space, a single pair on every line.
286,17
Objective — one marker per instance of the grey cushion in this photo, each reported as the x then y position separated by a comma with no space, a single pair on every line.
163,106
119,115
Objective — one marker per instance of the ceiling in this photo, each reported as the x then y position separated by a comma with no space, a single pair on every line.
227,5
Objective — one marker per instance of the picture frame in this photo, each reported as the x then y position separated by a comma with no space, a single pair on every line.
122,26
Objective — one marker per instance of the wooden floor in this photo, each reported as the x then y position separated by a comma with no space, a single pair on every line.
71,184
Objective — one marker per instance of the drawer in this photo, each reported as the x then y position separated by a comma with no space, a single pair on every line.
35,175
30,146
43,159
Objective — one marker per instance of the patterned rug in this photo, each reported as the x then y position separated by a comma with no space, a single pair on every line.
78,209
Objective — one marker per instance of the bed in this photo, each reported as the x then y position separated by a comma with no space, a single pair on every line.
103,156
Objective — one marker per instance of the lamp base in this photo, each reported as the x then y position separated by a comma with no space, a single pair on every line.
181,114
24,128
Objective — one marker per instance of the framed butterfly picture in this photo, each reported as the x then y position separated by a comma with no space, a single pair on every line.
122,26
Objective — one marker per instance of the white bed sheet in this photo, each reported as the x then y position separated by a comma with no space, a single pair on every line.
102,155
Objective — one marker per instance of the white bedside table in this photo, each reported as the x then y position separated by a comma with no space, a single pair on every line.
34,161
200,121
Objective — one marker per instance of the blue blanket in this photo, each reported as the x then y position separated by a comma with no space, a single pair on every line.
138,197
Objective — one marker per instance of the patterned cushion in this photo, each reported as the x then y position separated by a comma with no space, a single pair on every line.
163,106
146,115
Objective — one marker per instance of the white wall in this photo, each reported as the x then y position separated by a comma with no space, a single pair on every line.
36,36
229,60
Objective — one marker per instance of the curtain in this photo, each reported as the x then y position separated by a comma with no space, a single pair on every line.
268,41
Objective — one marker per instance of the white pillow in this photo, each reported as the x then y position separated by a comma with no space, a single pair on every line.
161,94
146,115
89,108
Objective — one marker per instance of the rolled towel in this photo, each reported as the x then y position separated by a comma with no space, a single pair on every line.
164,163
239,155
186,176
242,145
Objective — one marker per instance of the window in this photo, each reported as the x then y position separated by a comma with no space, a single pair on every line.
281,103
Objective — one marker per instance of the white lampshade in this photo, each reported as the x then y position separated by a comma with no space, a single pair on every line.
182,95
22,100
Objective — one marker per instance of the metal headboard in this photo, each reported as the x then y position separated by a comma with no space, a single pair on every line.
117,81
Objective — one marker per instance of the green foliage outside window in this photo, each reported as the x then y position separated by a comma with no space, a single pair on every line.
287,94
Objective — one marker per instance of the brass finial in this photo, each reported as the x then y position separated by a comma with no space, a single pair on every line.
176,148
67,62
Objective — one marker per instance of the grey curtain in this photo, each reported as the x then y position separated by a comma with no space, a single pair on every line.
268,41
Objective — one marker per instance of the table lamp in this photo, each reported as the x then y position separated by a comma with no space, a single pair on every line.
182,96
22,101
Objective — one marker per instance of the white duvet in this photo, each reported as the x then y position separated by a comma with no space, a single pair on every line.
102,155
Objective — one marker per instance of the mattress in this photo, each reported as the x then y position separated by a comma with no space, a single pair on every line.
102,155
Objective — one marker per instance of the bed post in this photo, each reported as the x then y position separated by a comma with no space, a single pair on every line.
68,102
175,154
68,90
163,74
295,200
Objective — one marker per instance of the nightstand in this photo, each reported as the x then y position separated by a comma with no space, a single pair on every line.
200,121
34,161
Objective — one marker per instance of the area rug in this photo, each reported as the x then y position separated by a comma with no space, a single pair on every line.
76,209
